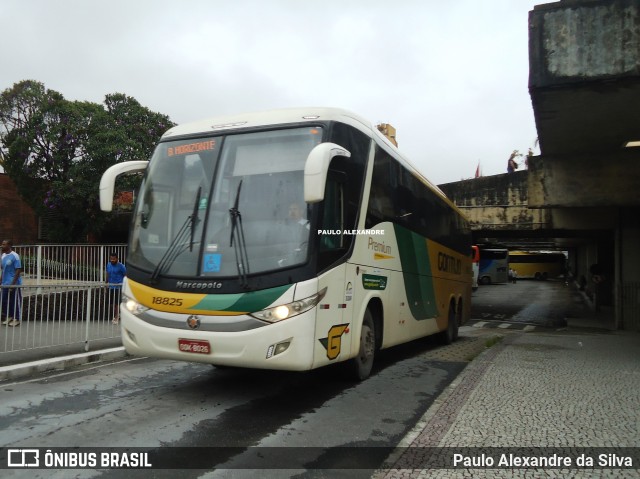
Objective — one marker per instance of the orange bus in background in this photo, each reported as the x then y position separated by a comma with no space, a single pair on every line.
540,265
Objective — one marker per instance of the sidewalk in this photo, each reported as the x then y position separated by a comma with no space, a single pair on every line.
29,350
573,387
64,361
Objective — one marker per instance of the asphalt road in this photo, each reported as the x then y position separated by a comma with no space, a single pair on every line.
164,405
540,303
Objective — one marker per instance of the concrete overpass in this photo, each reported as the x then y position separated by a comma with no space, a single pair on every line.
582,193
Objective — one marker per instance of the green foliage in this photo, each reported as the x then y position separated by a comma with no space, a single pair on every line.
56,150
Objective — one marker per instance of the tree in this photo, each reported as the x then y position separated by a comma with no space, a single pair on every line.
56,150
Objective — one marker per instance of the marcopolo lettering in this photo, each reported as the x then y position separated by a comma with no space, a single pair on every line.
449,264
198,285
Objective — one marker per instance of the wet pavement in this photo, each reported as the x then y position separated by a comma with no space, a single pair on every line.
546,375
549,304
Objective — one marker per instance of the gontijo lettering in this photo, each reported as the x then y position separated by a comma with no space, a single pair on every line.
449,264
191,148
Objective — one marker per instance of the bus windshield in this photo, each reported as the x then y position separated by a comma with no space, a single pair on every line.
224,205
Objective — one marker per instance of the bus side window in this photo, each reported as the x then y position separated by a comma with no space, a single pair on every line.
381,205
333,214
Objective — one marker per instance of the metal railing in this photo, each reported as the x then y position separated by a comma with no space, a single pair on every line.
41,316
71,263
63,300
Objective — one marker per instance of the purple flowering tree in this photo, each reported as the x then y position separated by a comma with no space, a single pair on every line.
56,150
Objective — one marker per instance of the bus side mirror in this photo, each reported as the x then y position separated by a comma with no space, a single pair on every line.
108,180
316,168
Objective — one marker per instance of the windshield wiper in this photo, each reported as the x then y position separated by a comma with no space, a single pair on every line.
194,217
179,244
240,246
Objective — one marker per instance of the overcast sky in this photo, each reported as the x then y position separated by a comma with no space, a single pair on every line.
450,75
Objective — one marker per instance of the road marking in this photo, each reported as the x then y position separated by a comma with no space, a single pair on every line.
504,325
528,328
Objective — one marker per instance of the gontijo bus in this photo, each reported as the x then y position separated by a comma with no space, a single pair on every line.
288,239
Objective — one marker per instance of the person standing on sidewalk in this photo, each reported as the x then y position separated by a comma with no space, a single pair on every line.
116,272
11,276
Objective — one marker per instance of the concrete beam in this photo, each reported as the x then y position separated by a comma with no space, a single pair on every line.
507,218
584,74
581,41
497,203
583,219
584,181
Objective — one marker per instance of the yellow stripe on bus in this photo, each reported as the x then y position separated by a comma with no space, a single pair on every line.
174,302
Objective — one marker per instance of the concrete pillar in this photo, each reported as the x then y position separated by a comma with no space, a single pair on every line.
628,277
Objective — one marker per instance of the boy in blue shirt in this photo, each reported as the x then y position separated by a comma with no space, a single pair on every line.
11,276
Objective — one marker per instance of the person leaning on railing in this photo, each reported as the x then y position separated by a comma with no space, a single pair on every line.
11,276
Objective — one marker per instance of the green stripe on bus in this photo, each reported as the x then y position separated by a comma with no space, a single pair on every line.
416,271
242,302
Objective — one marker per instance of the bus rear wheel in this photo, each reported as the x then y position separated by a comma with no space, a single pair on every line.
360,366
450,334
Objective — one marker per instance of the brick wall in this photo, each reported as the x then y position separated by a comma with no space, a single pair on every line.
18,221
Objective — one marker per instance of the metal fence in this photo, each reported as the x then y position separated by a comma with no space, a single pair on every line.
63,300
69,263
56,315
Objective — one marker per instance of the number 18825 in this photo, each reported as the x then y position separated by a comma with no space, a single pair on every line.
165,301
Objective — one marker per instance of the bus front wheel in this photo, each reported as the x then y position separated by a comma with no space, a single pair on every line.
362,364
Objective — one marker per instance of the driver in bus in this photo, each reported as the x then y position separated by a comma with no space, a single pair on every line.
295,216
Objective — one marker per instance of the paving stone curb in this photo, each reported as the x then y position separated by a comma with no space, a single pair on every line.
437,420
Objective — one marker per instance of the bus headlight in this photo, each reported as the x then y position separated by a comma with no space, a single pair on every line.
289,310
133,306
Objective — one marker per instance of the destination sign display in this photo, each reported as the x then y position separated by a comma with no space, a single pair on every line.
194,147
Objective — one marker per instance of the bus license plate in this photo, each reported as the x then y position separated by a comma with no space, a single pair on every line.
197,346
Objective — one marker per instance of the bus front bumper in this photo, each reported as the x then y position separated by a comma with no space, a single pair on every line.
285,345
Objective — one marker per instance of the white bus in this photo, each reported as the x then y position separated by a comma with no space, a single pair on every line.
494,265
288,239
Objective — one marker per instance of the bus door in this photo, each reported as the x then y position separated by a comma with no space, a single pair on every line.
332,323
339,218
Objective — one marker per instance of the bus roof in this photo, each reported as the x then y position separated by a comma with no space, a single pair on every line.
267,118
298,115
